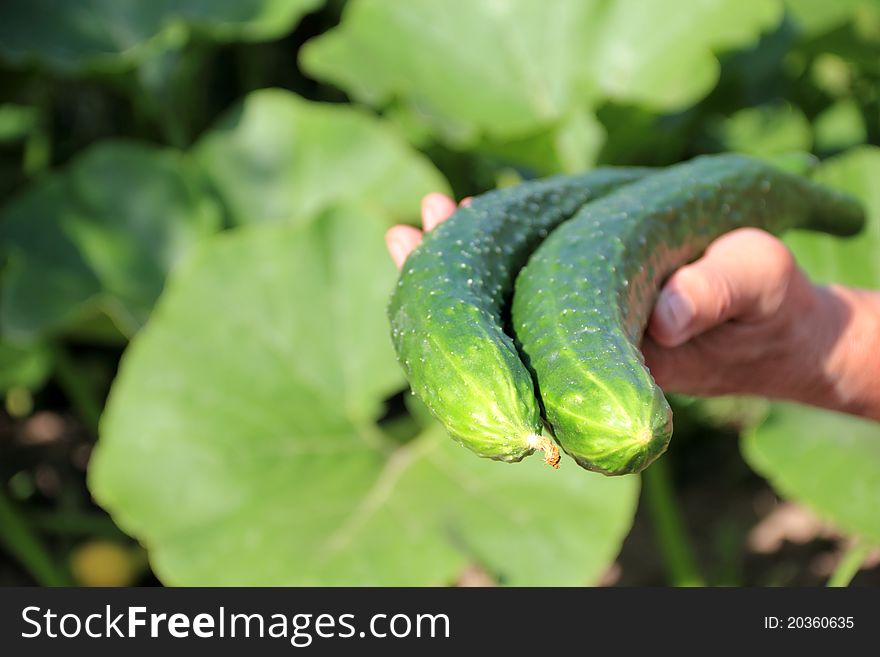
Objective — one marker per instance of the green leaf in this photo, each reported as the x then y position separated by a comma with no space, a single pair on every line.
570,146
813,17
24,366
100,236
828,461
766,131
71,36
239,442
46,282
852,261
663,54
839,127
507,69
16,121
279,157
639,135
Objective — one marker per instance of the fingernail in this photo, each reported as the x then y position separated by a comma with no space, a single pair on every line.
395,248
430,216
675,312
435,208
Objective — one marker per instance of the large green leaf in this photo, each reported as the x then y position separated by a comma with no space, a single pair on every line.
504,69
661,54
100,236
828,461
279,157
239,442
72,35
853,261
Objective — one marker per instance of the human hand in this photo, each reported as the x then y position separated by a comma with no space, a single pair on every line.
745,319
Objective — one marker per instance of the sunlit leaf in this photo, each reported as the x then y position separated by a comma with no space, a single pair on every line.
279,157
505,69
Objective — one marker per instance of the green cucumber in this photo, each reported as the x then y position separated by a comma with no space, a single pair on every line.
583,300
446,312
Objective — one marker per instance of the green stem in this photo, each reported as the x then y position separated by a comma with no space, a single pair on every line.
849,565
681,566
25,546
77,389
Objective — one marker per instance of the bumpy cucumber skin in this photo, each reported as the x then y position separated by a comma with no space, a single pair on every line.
446,312
583,300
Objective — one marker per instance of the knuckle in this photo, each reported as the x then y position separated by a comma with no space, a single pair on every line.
709,289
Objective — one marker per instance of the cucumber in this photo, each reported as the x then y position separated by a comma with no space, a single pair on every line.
446,312
583,300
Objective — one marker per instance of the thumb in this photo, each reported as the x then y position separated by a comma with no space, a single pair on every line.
743,275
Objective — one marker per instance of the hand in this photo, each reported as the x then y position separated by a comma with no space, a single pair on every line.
745,319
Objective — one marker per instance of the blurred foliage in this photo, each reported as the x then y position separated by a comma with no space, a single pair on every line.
24,366
111,35
254,151
853,261
827,460
99,236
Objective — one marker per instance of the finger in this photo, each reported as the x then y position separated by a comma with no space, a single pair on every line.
436,208
676,369
466,201
743,275
401,240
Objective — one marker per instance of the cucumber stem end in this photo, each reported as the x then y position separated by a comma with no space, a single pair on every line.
551,451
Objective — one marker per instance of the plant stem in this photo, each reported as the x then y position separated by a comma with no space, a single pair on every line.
77,389
681,566
849,565
26,547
